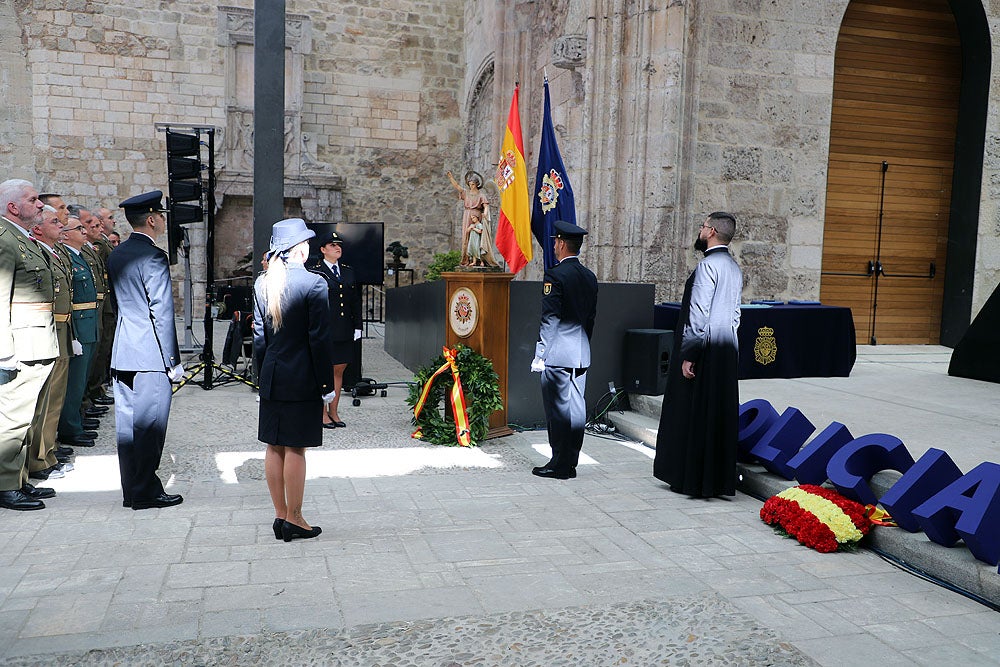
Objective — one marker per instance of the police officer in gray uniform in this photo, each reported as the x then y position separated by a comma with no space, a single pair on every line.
562,356
144,357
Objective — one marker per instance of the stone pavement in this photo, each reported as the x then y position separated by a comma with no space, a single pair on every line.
441,556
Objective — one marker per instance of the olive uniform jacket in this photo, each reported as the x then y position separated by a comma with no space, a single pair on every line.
62,282
27,327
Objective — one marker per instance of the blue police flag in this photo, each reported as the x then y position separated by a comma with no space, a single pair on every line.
553,197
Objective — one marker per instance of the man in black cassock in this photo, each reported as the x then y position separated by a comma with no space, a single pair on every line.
696,441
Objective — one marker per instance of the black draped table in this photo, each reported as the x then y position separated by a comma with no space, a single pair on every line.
787,340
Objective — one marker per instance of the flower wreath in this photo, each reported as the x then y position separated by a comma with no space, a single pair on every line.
481,388
817,517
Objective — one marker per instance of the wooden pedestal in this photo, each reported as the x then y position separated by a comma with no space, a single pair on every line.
477,315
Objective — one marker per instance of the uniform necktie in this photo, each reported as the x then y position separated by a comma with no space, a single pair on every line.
336,272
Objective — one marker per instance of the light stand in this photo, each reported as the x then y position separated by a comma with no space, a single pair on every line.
189,166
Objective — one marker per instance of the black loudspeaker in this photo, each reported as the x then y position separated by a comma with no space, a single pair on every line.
363,247
645,360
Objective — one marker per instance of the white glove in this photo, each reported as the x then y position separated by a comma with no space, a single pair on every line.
537,365
357,334
328,398
9,363
77,348
176,373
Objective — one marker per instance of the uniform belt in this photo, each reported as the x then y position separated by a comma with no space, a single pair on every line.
35,306
61,318
85,306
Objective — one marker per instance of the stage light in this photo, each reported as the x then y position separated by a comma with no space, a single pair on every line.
185,203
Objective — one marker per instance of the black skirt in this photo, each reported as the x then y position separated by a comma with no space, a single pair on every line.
291,423
342,351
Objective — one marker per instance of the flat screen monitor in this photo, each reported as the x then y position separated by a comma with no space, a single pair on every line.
364,248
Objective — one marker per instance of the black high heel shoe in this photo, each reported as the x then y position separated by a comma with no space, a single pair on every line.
289,531
278,523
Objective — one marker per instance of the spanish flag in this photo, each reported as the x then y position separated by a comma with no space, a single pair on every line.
514,228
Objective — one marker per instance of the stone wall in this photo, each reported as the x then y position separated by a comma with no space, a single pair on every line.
372,111
664,111
16,99
668,111
988,244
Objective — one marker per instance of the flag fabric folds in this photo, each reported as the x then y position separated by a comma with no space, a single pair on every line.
553,198
514,228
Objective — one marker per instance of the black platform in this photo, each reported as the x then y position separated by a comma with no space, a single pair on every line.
808,340
415,331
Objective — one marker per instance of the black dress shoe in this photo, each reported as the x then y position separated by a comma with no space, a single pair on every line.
329,425
162,500
554,473
57,471
95,411
78,442
16,500
37,492
103,400
90,422
63,450
339,424
89,435
289,531
63,459
278,523
126,503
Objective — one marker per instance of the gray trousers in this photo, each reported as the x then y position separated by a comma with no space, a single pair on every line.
565,413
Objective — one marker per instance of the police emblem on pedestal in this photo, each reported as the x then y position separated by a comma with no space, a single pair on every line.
765,348
463,312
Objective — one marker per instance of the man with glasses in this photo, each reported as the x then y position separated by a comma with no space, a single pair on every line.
71,430
96,251
28,343
696,441
43,454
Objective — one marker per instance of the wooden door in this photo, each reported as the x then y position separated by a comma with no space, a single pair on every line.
892,138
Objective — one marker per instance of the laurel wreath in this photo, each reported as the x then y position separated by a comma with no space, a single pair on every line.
480,384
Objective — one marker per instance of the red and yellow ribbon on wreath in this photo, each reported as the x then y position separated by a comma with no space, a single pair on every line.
457,399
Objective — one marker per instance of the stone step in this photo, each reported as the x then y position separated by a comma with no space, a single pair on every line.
635,426
648,406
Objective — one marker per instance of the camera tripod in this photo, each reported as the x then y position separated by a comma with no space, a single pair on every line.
207,366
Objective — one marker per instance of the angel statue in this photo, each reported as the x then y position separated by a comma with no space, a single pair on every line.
477,226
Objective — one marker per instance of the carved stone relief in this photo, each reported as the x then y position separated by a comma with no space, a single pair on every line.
236,33
570,51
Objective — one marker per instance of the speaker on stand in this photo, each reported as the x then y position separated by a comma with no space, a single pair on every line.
645,360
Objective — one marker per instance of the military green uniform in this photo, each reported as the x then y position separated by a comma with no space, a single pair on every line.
42,434
28,336
85,328
106,322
